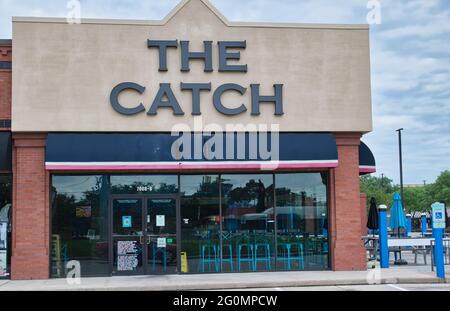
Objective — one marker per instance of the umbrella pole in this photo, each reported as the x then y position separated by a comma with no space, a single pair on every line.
400,261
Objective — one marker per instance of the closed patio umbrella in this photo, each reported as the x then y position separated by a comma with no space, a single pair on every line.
372,219
398,221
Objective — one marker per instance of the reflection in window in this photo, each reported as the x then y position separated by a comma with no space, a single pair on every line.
200,223
302,221
247,223
145,184
80,224
5,220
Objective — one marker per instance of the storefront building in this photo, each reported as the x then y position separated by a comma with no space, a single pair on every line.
187,145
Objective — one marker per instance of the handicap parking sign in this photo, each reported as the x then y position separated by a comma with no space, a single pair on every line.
438,212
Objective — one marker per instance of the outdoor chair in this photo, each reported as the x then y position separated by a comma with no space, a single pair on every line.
421,250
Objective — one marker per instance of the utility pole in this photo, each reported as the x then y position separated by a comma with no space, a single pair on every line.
400,164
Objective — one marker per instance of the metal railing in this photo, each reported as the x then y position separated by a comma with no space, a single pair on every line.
446,243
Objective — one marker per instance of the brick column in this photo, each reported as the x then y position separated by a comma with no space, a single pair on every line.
5,82
363,207
30,240
347,251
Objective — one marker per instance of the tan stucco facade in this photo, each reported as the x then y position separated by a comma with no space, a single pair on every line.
63,74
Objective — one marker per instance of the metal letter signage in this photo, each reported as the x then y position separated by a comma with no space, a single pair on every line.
228,62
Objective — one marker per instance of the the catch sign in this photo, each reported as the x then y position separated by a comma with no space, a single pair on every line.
228,55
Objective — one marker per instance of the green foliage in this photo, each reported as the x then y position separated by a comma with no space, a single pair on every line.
382,189
415,198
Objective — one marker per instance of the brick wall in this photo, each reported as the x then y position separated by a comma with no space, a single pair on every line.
30,240
5,81
347,251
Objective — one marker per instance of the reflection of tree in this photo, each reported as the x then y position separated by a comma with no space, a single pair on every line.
64,220
208,188
5,190
253,190
202,203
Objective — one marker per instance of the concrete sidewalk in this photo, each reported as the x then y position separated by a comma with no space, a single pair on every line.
394,275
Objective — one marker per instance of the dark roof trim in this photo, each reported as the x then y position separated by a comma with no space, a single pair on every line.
126,151
6,42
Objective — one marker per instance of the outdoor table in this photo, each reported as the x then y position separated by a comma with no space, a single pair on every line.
409,242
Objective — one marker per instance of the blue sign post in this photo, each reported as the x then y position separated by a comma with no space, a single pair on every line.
423,223
408,224
383,238
438,219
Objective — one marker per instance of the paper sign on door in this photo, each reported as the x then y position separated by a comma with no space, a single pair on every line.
126,221
161,242
160,220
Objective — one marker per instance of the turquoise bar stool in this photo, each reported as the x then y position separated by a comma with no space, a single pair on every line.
262,252
288,257
209,252
284,255
208,259
226,245
300,256
244,245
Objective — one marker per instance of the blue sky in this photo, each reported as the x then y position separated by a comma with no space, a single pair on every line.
410,55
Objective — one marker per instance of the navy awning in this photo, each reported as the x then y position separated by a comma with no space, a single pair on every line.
366,160
5,151
162,151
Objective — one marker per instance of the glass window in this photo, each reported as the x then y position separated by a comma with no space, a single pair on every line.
247,223
302,225
5,221
200,223
144,184
80,224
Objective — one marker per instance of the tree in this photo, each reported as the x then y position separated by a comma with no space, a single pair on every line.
415,198
382,189
440,190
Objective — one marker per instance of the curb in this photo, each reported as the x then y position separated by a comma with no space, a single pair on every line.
225,286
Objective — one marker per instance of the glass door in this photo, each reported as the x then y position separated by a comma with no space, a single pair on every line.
161,238
127,236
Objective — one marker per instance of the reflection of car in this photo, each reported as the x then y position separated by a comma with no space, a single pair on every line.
287,217
256,221
5,217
